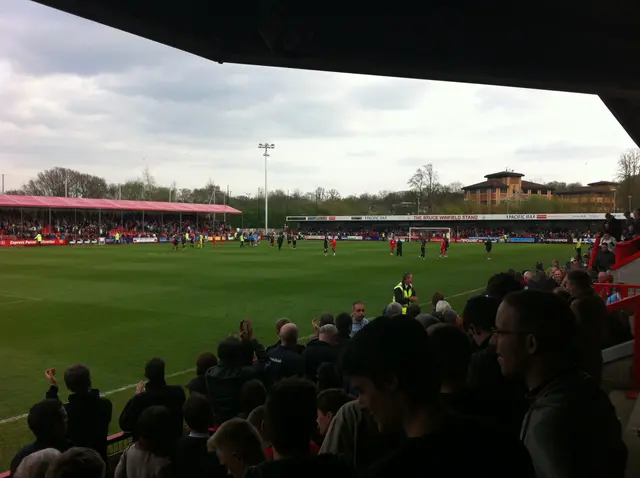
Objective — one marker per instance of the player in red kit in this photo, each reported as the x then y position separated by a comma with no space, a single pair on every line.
334,244
443,247
392,245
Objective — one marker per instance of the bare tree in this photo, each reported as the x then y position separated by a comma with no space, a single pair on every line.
627,174
333,195
424,183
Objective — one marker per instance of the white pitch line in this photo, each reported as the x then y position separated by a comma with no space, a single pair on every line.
20,301
11,296
107,393
460,294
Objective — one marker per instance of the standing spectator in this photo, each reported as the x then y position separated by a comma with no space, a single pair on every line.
284,360
391,363
329,402
357,315
320,351
78,463
88,414
47,420
279,324
154,392
344,324
571,428
291,412
149,456
612,226
199,384
610,241
238,446
605,259
191,457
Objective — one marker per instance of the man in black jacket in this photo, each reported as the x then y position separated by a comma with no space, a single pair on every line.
285,361
279,324
88,413
321,351
154,392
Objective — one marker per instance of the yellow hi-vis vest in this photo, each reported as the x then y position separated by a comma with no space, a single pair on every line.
406,293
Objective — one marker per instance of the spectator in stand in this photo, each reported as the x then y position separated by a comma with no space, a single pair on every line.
191,457
36,464
344,324
149,456
279,324
153,393
238,446
526,278
47,421
257,418
321,351
393,310
502,284
391,363
291,412
629,229
435,298
326,318
252,395
252,350
88,414
226,379
204,362
359,320
329,402
78,463
413,311
592,316
329,376
571,428
427,320
610,241
284,360
613,227
605,258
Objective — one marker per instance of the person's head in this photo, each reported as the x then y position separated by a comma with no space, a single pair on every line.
204,362
479,317
155,429
326,318
47,420
390,363
328,333
427,320
393,310
230,351
435,298
344,323
291,416
452,353
502,284
539,266
604,247
77,378
238,446
257,418
555,264
252,395
558,275
527,276
289,335
602,277
442,306
36,464
450,316
413,311
329,402
77,463
606,236
579,282
407,278
329,376
279,324
154,370
198,413
534,330
357,312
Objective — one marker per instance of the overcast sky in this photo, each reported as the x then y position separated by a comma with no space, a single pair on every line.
80,95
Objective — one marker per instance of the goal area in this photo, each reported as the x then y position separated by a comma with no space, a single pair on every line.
416,234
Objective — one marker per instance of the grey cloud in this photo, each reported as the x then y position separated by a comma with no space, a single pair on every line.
490,98
387,95
560,150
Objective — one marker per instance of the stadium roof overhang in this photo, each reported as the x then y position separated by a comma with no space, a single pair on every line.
588,47
48,202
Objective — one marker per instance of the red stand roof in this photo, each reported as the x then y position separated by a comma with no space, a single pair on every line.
111,204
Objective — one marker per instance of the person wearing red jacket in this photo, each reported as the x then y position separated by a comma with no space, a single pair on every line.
392,245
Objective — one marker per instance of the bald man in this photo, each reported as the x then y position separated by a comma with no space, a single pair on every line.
284,360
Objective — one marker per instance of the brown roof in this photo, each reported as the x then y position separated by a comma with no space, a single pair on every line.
584,190
603,183
536,186
492,183
504,174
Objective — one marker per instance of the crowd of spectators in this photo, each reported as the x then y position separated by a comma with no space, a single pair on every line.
508,388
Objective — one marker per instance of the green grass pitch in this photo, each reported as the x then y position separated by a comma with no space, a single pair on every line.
114,307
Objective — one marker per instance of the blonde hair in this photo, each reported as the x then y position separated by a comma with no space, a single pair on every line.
442,306
240,437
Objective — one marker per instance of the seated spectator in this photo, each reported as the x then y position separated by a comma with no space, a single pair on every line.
154,392
591,314
226,379
501,284
571,428
279,324
393,310
78,463
191,457
442,306
344,324
329,402
88,414
357,315
252,395
322,350
427,320
605,259
284,360
204,362
413,310
238,446
391,363
149,456
47,420
36,464
291,412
